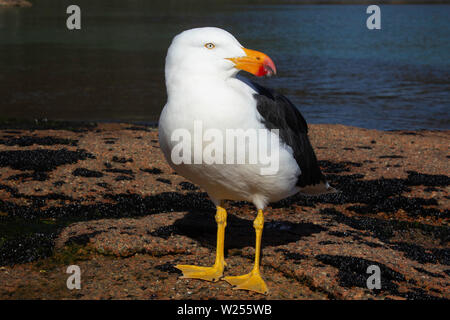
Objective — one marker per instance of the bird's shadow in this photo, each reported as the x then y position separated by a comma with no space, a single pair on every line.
239,233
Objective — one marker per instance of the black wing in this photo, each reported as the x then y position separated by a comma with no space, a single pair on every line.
280,113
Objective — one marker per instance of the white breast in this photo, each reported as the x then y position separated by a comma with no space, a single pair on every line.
222,105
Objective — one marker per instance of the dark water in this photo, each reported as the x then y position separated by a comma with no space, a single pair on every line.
330,65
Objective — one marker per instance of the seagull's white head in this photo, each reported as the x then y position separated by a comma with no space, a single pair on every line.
213,51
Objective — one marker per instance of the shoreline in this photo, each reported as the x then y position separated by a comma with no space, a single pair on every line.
103,197
45,124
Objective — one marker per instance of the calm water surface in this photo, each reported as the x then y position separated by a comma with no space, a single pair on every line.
330,65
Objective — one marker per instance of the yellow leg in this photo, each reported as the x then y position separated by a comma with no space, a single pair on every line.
215,272
252,281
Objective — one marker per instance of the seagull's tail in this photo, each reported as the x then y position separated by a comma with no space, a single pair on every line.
318,189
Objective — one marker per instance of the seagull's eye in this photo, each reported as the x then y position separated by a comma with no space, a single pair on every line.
210,45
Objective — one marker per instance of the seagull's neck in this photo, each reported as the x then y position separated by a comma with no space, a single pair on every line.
213,99
183,83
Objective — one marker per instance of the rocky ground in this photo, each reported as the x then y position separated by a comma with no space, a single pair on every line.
103,197
15,3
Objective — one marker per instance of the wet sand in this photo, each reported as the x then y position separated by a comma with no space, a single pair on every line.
103,197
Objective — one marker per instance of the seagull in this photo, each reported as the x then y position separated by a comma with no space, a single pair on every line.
204,90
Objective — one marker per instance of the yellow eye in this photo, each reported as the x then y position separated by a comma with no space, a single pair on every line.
210,45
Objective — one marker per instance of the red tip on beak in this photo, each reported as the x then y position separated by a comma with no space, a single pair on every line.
268,66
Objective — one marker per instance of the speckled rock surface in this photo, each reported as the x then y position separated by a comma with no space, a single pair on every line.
105,199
